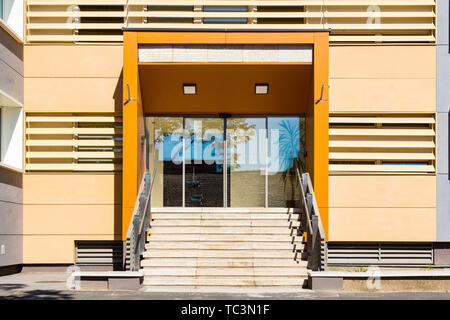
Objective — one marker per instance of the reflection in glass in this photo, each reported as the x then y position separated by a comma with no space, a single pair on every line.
166,155
286,139
262,156
246,144
204,159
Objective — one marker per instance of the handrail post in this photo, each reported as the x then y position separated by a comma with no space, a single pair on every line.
139,224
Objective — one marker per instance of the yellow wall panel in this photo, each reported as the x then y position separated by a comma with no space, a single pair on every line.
54,248
372,78
72,189
382,95
382,224
73,61
393,191
386,62
73,94
72,219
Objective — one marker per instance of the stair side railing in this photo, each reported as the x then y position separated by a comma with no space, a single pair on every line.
139,223
316,245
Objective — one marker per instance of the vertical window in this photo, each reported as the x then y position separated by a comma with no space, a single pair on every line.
1,129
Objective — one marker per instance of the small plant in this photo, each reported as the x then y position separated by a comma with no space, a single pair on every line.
429,266
361,269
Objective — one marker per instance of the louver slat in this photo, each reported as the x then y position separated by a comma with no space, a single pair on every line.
403,144
349,21
81,142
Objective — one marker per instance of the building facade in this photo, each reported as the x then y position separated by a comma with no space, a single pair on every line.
358,89
11,133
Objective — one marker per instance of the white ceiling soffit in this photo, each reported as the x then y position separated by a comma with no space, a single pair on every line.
226,53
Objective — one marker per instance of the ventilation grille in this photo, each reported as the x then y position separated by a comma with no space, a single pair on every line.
348,20
105,253
402,144
386,254
73,142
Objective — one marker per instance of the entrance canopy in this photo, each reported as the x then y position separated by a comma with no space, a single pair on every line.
223,73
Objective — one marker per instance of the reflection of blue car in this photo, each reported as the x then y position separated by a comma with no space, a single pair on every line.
193,183
198,197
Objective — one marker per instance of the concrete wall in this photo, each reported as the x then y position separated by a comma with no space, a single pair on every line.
443,115
382,79
60,208
11,99
10,216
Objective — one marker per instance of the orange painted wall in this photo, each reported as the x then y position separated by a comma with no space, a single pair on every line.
318,113
225,88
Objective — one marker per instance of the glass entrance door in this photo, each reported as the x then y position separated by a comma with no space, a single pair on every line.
246,165
204,162
225,162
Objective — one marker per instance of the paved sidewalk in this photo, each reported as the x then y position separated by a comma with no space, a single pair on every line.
52,285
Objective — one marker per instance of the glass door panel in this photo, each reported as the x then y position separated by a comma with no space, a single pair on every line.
284,146
246,158
165,150
204,162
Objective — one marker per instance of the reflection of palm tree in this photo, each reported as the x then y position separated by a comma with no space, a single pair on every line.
291,142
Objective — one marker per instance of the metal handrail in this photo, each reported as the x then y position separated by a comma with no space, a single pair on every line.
303,200
316,246
139,224
147,202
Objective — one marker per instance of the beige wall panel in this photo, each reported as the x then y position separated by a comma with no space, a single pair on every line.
72,189
382,191
386,62
72,219
73,94
383,95
382,224
73,61
54,248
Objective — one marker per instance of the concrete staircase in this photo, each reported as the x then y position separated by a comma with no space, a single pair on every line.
217,249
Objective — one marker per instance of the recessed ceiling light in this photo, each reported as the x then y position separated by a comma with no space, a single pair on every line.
261,88
189,88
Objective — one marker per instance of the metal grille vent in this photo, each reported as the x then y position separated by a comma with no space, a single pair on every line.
386,254
104,253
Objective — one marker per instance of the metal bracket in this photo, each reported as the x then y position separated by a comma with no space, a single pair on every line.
129,95
321,95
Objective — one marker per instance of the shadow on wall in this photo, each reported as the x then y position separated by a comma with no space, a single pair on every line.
11,44
118,94
118,107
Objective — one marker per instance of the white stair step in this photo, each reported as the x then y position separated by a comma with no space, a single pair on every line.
223,216
215,281
285,254
294,271
222,237
219,262
235,245
221,230
223,223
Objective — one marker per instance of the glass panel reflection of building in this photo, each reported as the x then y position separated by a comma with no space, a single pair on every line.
262,155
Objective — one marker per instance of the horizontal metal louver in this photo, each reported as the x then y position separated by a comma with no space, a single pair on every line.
377,143
73,142
383,254
105,253
348,20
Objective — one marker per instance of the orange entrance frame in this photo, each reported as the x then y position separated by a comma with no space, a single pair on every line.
133,110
